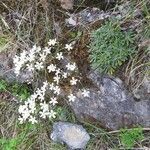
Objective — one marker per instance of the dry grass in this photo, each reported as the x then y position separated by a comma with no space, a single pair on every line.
25,137
36,137
28,21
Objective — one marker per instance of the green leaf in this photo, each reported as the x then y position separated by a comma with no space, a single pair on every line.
3,85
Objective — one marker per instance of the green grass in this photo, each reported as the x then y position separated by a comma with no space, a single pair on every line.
22,91
129,138
15,142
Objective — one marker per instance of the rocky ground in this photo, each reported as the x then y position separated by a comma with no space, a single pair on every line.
115,102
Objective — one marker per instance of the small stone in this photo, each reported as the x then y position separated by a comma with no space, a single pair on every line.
73,135
67,4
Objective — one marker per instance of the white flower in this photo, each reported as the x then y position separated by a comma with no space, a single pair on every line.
43,89
26,115
22,109
16,59
71,98
33,49
44,107
44,110
68,47
38,49
41,97
51,68
52,42
32,106
56,90
45,84
19,61
85,93
30,67
47,50
58,71
38,92
17,69
33,96
31,57
56,79
39,65
59,56
53,101
23,55
42,56
71,67
64,75
43,114
41,93
20,120
73,81
32,120
52,114
51,86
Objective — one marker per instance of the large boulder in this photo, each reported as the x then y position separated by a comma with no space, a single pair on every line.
110,105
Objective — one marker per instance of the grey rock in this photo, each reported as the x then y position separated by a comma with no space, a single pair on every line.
143,91
87,16
7,72
126,8
110,105
74,136
94,15
67,4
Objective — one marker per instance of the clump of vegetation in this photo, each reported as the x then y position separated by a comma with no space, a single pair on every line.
36,61
3,40
137,71
130,137
110,47
14,136
21,91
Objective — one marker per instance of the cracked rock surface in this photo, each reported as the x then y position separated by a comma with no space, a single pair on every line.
110,105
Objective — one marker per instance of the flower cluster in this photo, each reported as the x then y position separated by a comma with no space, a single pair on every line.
38,104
